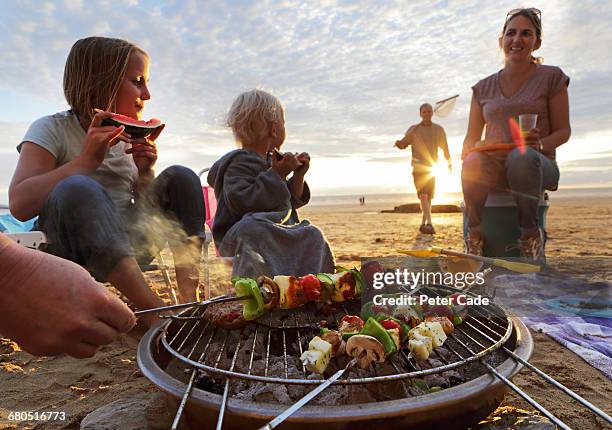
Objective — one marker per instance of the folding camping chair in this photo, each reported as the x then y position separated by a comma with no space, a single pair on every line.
210,203
21,233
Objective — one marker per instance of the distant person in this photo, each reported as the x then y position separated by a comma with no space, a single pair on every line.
426,138
93,186
258,191
50,306
523,86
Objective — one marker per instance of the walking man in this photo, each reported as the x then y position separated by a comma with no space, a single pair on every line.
425,138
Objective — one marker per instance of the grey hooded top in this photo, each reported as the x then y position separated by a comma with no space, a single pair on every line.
257,222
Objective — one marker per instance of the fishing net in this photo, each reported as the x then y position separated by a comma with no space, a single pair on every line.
444,107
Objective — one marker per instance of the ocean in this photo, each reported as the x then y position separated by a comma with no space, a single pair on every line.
395,199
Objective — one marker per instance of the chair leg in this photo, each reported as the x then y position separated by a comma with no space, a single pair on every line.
167,279
206,271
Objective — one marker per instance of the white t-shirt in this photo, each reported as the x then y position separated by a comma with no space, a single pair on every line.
62,135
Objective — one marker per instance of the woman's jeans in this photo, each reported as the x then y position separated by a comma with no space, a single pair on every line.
83,225
526,175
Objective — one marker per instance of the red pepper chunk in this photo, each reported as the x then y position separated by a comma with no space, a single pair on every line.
312,287
390,324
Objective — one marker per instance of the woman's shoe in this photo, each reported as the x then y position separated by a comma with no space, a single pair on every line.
423,228
431,229
532,249
473,246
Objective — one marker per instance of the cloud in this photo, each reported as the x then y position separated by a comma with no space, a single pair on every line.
351,75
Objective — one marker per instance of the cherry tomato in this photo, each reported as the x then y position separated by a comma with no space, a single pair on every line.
312,287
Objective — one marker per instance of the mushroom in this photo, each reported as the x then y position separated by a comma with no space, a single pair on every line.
270,292
366,348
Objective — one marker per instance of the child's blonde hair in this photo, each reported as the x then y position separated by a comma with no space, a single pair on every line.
93,73
251,115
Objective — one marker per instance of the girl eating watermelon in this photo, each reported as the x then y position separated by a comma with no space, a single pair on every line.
92,184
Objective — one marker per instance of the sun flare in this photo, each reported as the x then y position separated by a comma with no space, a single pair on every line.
446,182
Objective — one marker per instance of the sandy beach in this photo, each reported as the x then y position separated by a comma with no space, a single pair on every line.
575,228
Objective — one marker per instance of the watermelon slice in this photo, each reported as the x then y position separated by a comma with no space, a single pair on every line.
133,127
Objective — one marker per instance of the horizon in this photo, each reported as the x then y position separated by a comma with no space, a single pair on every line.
351,78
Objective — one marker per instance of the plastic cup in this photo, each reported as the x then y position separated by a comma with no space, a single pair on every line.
527,121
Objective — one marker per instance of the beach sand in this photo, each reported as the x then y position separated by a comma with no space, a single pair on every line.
577,227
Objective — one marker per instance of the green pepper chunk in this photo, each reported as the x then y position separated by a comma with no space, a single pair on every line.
359,282
253,307
348,334
325,279
374,329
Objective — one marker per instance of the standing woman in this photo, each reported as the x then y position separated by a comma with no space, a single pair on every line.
523,86
93,186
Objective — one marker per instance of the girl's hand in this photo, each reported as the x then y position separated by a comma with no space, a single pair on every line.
98,140
144,151
304,159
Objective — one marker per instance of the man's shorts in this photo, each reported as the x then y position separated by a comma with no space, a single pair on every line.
424,181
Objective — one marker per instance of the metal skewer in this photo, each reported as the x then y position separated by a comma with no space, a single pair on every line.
220,299
311,395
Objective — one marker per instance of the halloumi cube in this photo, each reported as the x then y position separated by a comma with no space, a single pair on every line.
318,356
315,361
321,345
435,331
419,349
283,285
425,339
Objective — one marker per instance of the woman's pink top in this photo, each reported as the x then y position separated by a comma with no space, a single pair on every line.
533,97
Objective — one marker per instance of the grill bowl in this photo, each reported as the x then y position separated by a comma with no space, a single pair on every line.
456,407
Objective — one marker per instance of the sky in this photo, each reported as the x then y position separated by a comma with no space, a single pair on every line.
351,76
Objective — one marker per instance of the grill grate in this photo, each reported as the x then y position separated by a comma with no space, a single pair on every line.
183,338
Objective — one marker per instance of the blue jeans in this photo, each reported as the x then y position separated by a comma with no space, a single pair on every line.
83,224
525,175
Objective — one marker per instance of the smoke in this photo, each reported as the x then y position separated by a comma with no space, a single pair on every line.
249,262
155,228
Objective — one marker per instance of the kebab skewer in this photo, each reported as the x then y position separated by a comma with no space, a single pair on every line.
375,341
283,292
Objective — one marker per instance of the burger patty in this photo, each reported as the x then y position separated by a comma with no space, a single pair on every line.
225,315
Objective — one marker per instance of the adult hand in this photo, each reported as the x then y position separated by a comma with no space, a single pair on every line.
98,140
285,165
465,150
304,159
49,305
144,151
400,145
533,138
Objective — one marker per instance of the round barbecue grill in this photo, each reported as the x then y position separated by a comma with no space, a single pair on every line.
207,370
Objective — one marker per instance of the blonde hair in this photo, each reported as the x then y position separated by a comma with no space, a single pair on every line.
251,115
94,70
